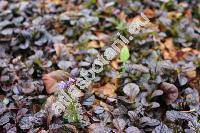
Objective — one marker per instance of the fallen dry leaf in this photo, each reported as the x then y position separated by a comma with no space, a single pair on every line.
93,44
102,37
191,74
170,52
115,81
189,51
149,13
122,16
170,49
58,47
106,106
51,79
98,128
58,2
115,64
107,90
72,128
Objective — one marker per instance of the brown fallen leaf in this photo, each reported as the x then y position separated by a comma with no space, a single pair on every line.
122,16
58,47
107,90
98,128
106,106
72,128
103,38
3,5
170,52
93,44
189,51
115,64
58,2
150,13
168,49
63,49
169,44
115,81
51,79
191,74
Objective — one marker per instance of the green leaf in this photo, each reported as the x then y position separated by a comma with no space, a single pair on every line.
121,26
124,54
5,101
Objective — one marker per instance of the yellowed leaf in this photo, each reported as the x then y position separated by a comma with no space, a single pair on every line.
173,15
93,44
191,74
102,44
58,2
115,65
107,90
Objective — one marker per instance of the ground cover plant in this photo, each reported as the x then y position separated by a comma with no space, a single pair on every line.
151,85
